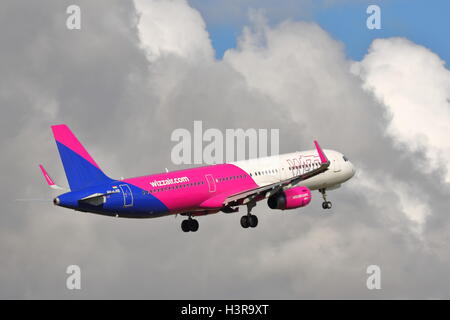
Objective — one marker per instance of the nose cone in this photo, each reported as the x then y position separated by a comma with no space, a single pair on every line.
56,201
351,169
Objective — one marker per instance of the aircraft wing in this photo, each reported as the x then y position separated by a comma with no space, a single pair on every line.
95,199
244,197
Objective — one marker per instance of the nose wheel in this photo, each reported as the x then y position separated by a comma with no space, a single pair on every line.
249,220
325,204
189,225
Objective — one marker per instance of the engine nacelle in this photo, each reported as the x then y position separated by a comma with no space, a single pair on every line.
290,199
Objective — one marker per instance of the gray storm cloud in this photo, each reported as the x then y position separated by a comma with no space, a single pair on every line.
135,72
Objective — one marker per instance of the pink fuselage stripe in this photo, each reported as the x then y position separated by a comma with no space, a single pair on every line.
190,197
64,136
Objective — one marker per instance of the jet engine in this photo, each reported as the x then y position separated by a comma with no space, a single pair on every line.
290,199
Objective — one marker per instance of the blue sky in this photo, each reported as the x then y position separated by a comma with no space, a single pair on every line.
424,22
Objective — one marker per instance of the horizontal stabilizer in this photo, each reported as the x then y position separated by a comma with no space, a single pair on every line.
49,180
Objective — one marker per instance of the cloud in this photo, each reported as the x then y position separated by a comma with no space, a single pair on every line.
414,86
133,75
173,27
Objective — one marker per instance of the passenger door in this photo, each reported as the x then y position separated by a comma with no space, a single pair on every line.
211,183
127,195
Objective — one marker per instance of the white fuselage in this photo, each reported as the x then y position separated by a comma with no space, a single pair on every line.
269,170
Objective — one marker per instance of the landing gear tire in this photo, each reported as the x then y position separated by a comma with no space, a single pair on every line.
194,225
185,226
249,221
244,222
253,221
189,225
326,205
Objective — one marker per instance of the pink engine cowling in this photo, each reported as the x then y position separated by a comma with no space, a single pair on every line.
290,199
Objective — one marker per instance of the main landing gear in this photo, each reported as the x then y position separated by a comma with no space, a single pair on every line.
325,204
189,225
249,220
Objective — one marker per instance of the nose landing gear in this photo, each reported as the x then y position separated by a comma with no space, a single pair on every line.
325,204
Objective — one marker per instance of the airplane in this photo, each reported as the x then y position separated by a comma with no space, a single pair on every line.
286,181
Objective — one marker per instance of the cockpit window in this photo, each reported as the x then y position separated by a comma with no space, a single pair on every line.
345,158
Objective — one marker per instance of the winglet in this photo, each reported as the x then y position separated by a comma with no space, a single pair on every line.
49,180
322,156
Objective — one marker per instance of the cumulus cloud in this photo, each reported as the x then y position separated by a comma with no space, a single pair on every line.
414,86
173,27
154,72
